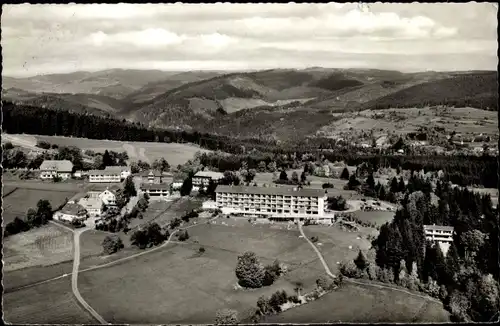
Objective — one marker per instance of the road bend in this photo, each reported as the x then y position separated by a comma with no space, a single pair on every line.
367,283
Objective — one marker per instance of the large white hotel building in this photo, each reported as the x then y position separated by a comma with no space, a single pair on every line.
272,202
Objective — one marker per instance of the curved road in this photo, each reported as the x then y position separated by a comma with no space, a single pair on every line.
76,265
327,270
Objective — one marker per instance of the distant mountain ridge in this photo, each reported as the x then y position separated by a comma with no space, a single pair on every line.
273,103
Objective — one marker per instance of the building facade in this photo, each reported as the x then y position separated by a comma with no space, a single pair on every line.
272,202
93,206
442,235
99,176
152,176
56,168
202,178
108,197
156,189
124,171
71,212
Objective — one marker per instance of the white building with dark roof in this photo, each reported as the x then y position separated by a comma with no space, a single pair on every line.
71,212
272,202
156,189
202,178
107,176
124,171
442,235
56,168
93,206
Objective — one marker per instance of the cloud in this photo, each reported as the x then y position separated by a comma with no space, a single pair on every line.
45,38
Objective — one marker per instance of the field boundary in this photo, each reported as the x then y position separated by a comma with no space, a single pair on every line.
10,192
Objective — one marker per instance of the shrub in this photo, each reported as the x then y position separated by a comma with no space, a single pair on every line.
226,317
111,244
249,271
349,269
16,226
314,239
294,299
201,250
183,235
327,185
322,283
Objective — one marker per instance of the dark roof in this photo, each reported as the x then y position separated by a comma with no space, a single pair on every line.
73,209
155,186
57,165
307,192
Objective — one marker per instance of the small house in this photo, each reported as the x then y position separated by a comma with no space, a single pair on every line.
56,168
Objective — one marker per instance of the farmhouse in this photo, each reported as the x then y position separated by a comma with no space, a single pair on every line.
56,168
442,235
202,178
124,171
104,176
156,189
71,212
92,205
272,202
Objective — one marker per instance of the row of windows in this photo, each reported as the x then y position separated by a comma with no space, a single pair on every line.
264,195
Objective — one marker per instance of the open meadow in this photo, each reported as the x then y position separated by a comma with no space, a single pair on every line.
46,245
355,303
26,195
174,153
50,303
177,285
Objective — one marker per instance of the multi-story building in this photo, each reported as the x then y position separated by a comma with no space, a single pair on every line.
56,168
442,235
273,202
156,189
124,171
104,176
202,178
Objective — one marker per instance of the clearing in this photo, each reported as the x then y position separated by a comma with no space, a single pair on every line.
364,304
50,303
43,246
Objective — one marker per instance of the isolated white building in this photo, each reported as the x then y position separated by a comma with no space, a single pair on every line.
56,168
71,212
108,176
272,202
442,235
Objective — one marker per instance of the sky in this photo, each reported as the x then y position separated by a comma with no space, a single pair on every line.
44,39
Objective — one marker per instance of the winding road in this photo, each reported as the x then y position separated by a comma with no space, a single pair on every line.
368,283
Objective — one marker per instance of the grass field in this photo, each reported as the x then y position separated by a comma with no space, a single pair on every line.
377,217
42,246
174,153
364,304
176,285
51,303
19,201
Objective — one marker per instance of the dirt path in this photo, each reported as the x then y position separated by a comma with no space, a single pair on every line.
74,274
364,282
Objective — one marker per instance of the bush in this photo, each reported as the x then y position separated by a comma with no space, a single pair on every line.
226,317
43,144
327,185
322,283
314,239
16,226
294,299
249,271
201,250
349,269
183,235
111,244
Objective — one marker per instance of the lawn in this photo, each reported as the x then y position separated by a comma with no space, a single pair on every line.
174,153
50,303
19,201
334,243
176,285
377,217
364,304
177,208
42,246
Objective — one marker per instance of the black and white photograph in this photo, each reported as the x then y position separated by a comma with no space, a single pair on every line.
257,163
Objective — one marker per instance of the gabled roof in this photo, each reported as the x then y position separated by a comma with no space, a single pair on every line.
73,209
90,202
117,168
284,191
103,172
209,174
57,165
155,186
